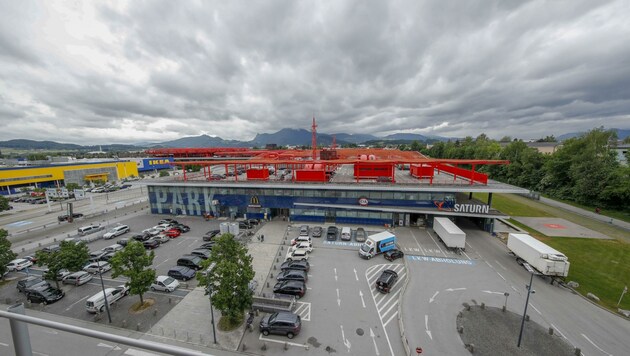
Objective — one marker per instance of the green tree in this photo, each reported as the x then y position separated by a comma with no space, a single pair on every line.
72,186
6,255
164,174
70,255
134,263
4,203
415,146
229,278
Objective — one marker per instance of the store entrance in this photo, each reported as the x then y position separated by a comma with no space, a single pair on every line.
330,217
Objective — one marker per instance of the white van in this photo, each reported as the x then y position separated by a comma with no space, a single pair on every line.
85,230
96,303
346,234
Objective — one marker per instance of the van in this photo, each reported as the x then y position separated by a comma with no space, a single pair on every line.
85,230
346,234
96,303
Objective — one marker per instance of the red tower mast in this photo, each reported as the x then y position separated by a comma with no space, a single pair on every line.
334,142
314,139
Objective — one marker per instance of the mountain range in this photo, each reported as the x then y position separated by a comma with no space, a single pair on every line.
284,137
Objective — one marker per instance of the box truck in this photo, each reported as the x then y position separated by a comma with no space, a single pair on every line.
377,243
541,257
451,235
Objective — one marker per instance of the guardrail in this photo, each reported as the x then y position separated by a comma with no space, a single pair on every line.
271,305
22,343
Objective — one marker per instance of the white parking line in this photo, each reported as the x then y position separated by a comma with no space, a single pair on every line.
161,263
75,303
500,265
500,275
435,242
597,347
417,243
536,309
279,341
390,318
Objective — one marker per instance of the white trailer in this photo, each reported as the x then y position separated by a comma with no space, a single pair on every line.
452,236
541,257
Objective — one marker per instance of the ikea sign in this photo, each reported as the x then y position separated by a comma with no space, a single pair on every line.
149,164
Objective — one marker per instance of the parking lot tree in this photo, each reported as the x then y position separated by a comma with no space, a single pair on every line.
134,263
71,256
229,279
6,255
72,186
4,203
163,173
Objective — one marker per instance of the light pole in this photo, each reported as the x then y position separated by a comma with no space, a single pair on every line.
625,290
209,290
529,291
109,317
506,294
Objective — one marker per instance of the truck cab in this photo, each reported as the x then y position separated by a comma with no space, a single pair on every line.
377,243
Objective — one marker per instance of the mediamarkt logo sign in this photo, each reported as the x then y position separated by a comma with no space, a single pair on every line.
464,208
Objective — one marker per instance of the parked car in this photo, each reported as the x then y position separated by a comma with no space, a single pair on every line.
300,239
89,229
386,281
141,237
172,233
95,267
165,284
96,255
208,245
151,244
299,254
201,252
304,230
331,233
292,275
393,254
296,265
116,231
113,248
62,273
294,288
66,216
360,236
168,221
244,225
44,296
77,278
31,282
51,248
31,258
161,238
190,261
317,231
153,231
307,246
253,222
182,272
182,228
19,264
123,242
120,291
282,323
210,235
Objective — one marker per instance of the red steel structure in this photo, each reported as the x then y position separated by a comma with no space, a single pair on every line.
369,164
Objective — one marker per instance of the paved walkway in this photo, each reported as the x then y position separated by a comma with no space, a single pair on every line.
587,213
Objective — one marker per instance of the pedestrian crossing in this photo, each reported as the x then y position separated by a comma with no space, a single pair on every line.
386,304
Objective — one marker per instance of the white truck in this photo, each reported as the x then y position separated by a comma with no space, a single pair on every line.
541,257
377,243
452,235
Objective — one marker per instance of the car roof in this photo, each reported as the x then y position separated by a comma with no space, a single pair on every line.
286,316
163,278
19,260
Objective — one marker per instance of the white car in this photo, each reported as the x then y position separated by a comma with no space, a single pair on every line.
297,254
19,264
162,227
301,239
165,284
113,248
116,231
119,292
161,238
95,266
307,246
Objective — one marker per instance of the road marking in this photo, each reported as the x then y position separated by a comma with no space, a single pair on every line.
303,310
488,263
468,257
75,303
390,318
3,344
19,223
536,309
500,265
501,276
159,264
597,347
454,261
374,341
433,297
355,274
418,243
380,316
277,341
335,275
53,332
115,348
134,352
454,289
435,242
345,341
558,330
181,242
491,292
426,326
516,290
338,299
362,300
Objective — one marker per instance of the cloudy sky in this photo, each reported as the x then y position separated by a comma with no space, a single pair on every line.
122,72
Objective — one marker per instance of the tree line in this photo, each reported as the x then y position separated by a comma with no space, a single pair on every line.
582,169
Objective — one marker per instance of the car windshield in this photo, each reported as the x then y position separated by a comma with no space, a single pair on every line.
168,281
365,248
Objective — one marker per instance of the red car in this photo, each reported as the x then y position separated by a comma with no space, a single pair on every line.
172,233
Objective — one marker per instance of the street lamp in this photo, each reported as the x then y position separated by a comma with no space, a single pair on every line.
506,294
529,291
100,272
209,291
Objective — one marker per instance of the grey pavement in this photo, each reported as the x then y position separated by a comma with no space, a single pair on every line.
587,213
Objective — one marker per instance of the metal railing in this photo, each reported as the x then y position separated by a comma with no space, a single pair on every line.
22,343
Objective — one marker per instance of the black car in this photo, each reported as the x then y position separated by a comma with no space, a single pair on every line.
123,242
181,272
66,216
208,245
386,281
151,244
201,252
295,288
253,222
210,235
190,261
296,265
51,248
168,221
332,233
292,275
141,237
317,231
282,323
44,296
181,227
393,254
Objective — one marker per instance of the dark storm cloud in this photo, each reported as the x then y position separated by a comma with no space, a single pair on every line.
159,70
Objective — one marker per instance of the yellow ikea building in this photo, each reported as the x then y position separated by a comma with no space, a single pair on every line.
55,175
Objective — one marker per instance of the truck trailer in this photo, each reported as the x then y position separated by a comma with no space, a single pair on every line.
451,235
541,257
377,243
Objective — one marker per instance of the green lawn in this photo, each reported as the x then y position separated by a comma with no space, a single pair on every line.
601,267
621,215
510,206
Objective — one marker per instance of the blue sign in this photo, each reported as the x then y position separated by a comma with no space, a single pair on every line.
452,261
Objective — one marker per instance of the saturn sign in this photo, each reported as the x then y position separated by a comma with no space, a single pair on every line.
363,201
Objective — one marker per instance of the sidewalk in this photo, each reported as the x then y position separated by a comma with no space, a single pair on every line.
592,215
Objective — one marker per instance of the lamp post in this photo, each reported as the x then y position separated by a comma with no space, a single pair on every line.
506,294
109,317
529,291
625,290
214,333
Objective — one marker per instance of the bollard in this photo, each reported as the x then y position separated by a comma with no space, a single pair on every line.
483,305
281,248
503,308
286,346
124,323
257,312
264,346
23,249
244,348
274,267
460,329
138,326
578,351
277,260
527,317
170,300
267,284
471,348
550,331
155,312
161,331
187,337
39,244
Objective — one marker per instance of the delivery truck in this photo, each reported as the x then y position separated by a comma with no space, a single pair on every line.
449,233
377,243
541,257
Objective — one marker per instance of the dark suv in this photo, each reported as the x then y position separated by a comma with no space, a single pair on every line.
332,233
44,296
292,275
295,288
282,323
297,265
386,281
